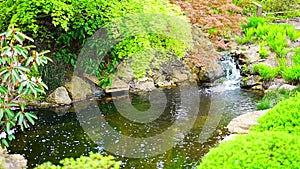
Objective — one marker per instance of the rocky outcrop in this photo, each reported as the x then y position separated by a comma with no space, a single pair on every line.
78,88
203,59
12,161
242,123
146,84
118,85
275,87
287,87
254,82
59,96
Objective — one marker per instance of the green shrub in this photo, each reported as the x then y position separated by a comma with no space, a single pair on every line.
271,98
263,51
92,161
293,72
19,77
255,151
266,72
272,35
65,25
285,116
253,22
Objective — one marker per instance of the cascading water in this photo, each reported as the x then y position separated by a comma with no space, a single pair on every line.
231,80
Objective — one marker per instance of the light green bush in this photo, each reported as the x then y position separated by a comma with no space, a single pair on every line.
93,161
266,72
285,116
271,98
293,72
276,150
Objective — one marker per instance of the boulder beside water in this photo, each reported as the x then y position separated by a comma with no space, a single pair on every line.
242,123
59,96
78,88
12,161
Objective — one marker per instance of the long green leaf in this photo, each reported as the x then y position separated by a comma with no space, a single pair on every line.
25,69
8,32
24,36
21,86
6,77
29,118
16,75
12,105
32,115
3,90
1,114
5,142
9,113
21,118
7,126
19,38
3,70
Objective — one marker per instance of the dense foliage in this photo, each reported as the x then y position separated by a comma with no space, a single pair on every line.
274,143
255,150
288,72
218,18
84,162
285,116
273,38
271,98
64,25
289,7
19,77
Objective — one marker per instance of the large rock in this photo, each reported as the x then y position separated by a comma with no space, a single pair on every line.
203,58
59,96
242,123
179,77
78,88
287,87
251,81
118,85
246,54
146,84
12,161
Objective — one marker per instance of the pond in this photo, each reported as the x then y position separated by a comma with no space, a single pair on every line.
100,126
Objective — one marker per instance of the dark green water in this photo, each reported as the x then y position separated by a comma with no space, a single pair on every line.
74,133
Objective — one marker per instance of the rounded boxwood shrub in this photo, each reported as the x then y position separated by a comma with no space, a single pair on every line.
256,150
83,162
285,116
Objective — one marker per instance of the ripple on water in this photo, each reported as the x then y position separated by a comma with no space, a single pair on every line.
58,136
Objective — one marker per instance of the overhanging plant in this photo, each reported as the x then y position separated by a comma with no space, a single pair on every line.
19,76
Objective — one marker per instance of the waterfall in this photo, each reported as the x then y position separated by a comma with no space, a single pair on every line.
232,75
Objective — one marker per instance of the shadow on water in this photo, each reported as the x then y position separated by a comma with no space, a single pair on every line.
72,134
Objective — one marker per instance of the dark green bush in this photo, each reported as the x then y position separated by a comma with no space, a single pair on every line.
276,150
285,116
64,25
93,161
